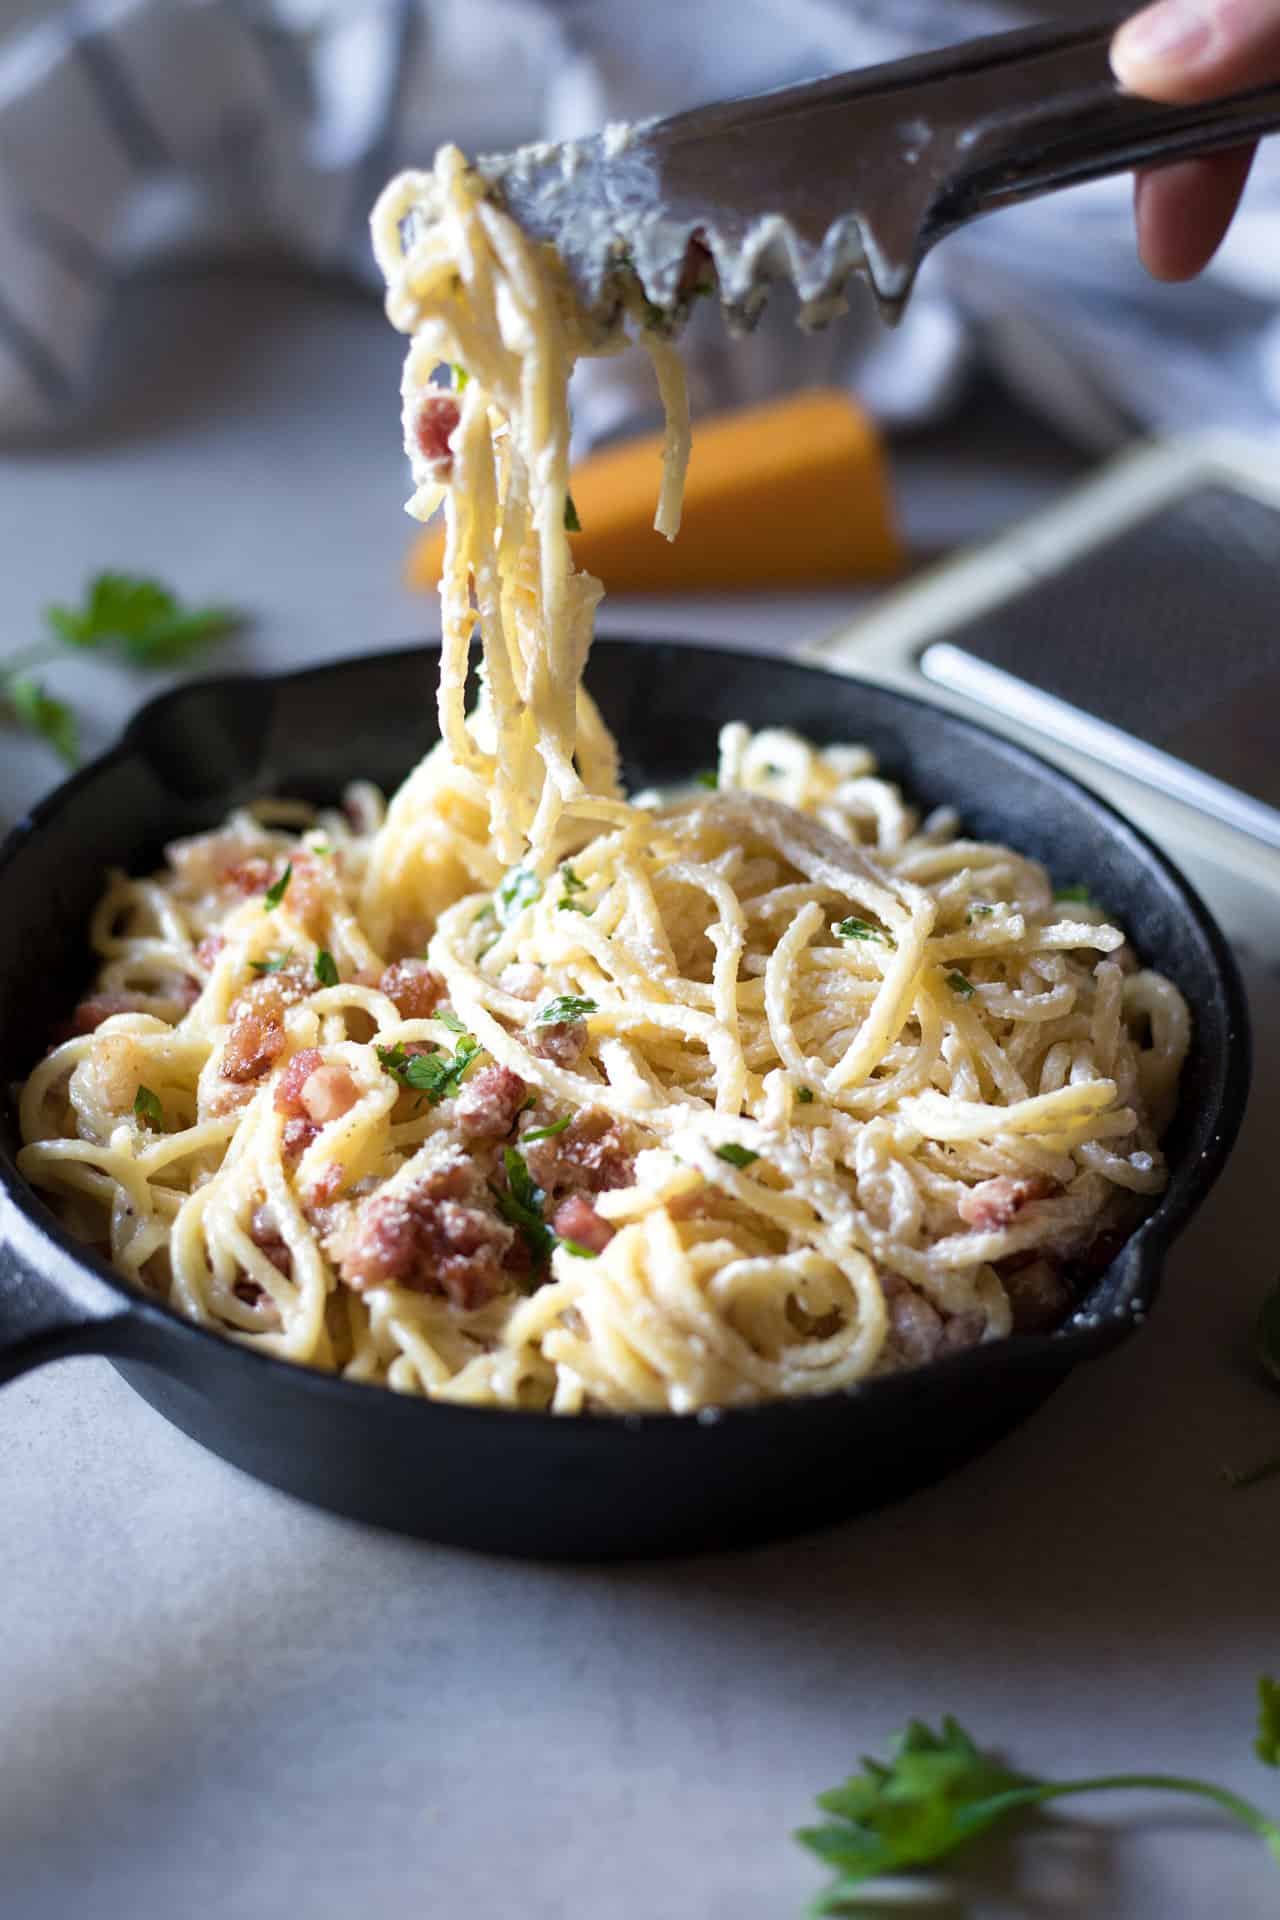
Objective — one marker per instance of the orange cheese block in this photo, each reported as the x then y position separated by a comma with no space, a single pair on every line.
791,494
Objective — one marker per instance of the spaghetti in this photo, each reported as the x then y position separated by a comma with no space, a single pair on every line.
695,1100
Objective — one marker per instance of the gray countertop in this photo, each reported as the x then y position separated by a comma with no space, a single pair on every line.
217,1702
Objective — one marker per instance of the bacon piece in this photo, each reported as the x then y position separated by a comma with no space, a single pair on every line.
265,1235
915,1325
91,1013
994,1204
327,1093
253,875
328,1183
254,1044
488,1103
560,1041
576,1219
438,1235
437,417
416,990
592,1154
299,1127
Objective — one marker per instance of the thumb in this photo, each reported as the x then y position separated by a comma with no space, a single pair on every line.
1186,50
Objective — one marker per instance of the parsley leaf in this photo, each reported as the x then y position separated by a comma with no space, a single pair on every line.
958,984
546,1133
572,524
519,888
565,1006
521,1202
974,912
448,1018
707,778
572,885
1267,1744
460,377
326,968
142,618
938,1790
277,890
736,1156
804,1095
40,713
855,929
1077,892
148,1111
276,964
437,1074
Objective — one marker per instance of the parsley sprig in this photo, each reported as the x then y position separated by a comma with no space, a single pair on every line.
148,1111
521,1202
139,620
939,1789
565,1008
855,929
518,889
438,1075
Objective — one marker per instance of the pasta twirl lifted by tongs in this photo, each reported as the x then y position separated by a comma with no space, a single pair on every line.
753,1091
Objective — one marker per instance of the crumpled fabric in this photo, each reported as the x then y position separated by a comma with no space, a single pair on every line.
134,131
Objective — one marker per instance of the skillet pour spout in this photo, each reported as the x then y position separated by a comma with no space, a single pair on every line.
591,1486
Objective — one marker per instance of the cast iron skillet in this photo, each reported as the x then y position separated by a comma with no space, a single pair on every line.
530,1483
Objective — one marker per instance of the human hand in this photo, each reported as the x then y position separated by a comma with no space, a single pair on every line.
1188,50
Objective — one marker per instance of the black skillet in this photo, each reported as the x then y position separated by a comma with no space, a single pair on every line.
523,1482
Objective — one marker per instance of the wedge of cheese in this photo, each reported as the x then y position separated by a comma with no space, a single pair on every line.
791,494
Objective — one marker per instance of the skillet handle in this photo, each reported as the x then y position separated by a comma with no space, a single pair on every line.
50,1304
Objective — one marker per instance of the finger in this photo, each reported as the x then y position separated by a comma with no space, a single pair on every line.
1184,211
1183,50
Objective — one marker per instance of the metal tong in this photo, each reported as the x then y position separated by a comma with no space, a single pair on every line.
861,173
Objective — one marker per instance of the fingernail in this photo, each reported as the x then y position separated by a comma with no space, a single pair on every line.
1174,33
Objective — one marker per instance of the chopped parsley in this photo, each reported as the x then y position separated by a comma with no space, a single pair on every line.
958,984
572,524
1078,893
519,889
521,1202
460,377
275,964
546,1133
572,885
855,929
326,968
565,1006
735,1155
148,1111
707,778
277,891
805,1096
448,1018
974,912
438,1075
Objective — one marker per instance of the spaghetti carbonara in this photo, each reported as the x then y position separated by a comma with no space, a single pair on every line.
518,1091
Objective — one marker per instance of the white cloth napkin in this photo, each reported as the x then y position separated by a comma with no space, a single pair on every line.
138,129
